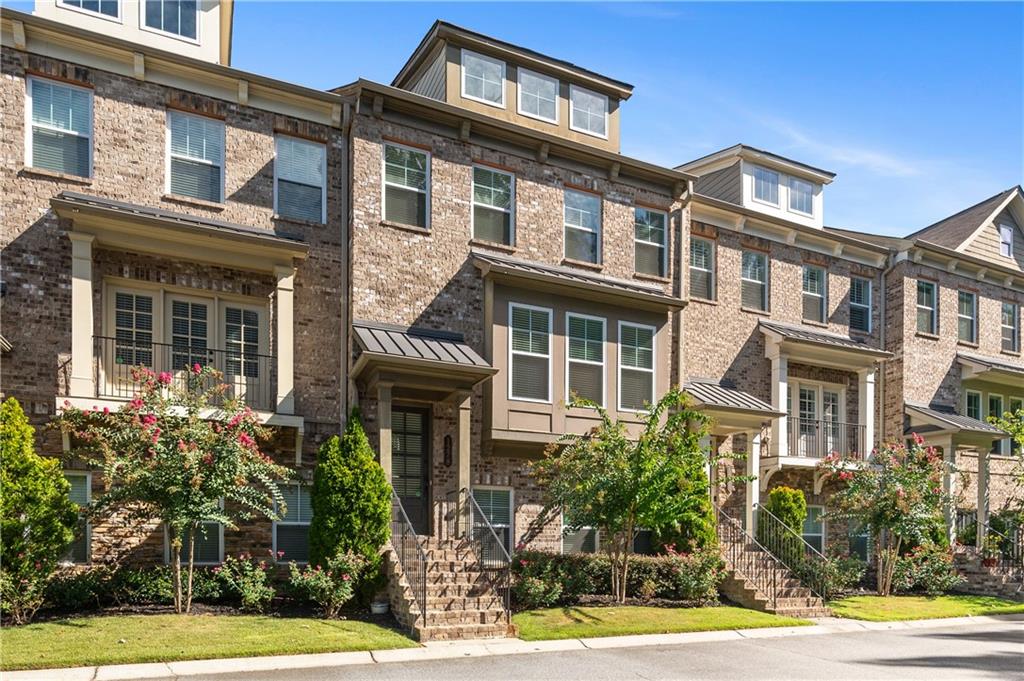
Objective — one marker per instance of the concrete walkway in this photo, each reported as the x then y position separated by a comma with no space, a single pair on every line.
472,649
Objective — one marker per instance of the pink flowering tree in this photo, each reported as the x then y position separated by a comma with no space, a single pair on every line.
182,452
897,494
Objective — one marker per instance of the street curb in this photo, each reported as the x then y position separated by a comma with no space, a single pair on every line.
474,648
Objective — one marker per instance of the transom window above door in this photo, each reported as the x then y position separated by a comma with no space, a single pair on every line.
483,78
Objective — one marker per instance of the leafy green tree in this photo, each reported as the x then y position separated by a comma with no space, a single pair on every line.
37,519
172,455
695,527
351,499
1012,422
618,483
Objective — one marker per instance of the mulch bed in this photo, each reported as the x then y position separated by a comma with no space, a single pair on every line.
606,601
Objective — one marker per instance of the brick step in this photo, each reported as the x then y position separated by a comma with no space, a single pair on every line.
445,632
485,602
799,602
803,613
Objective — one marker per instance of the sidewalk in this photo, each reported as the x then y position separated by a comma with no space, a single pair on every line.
462,649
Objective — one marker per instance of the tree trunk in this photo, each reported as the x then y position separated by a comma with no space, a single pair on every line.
191,566
176,565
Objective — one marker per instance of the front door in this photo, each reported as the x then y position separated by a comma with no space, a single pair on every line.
410,464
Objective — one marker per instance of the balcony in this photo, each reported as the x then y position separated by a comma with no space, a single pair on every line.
817,438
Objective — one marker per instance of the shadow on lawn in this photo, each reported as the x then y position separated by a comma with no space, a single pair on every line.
577,616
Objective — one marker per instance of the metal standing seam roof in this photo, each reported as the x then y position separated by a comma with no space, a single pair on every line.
803,334
991,362
417,344
712,394
950,417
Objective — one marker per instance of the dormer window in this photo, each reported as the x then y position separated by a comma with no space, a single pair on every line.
766,185
1006,241
483,78
588,112
801,196
177,17
538,96
108,9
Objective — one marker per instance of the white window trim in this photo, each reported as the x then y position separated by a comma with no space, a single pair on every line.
493,60
819,387
168,556
652,370
714,257
934,316
778,186
1008,230
384,182
765,283
790,181
662,246
119,19
572,117
168,34
823,296
604,355
598,232
1015,328
473,204
982,407
519,94
821,519
88,525
323,173
168,155
974,317
869,306
511,511
287,523
29,124
511,352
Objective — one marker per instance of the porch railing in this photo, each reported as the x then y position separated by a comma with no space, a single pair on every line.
249,376
817,438
410,555
1009,545
758,566
463,519
789,546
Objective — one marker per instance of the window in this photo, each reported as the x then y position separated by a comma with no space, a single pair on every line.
585,357
801,196
814,528
972,403
651,247
1016,405
927,322
133,329
817,414
766,185
177,17
80,494
583,540
860,542
588,111
582,226
754,278
291,532
195,156
300,176
241,342
406,186
538,96
496,506
189,333
209,544
860,304
493,205
636,366
530,350
995,408
702,268
1006,240
1011,327
60,128
815,293
106,8
967,316
483,78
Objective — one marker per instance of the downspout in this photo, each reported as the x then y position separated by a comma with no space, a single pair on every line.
883,337
349,396
685,198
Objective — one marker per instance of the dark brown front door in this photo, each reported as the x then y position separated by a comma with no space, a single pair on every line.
410,463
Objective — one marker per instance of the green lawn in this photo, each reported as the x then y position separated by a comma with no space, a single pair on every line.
893,608
571,622
90,641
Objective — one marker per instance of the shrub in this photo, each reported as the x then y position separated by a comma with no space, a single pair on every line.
330,586
788,505
142,586
247,580
833,575
72,591
37,519
928,568
531,592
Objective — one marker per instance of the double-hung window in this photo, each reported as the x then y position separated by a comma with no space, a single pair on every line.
300,174
80,494
494,194
815,298
651,245
636,366
814,528
496,506
483,78
588,111
754,281
208,539
967,316
1011,327
1006,240
702,268
972,404
995,409
538,96
177,17
195,156
927,318
60,127
766,185
860,304
530,353
801,196
582,226
406,186
291,531
109,9
585,357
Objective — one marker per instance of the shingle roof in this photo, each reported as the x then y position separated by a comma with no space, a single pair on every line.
724,396
992,362
417,344
803,334
955,421
952,231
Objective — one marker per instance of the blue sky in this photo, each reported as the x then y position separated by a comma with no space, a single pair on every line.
918,107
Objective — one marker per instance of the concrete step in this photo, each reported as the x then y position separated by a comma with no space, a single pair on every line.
444,632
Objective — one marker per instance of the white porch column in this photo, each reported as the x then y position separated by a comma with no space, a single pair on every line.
384,427
285,402
982,496
949,484
81,383
866,408
464,403
780,400
753,485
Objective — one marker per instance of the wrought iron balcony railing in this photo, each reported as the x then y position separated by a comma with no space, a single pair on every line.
817,438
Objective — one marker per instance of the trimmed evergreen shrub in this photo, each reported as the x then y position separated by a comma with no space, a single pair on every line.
788,505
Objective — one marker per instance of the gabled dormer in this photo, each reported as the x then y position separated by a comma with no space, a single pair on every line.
471,70
200,29
764,182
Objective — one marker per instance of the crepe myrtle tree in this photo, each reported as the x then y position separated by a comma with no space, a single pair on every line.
617,483
1012,423
184,452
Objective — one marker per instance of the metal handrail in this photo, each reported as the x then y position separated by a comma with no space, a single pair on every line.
491,553
762,568
416,574
792,550
1011,556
